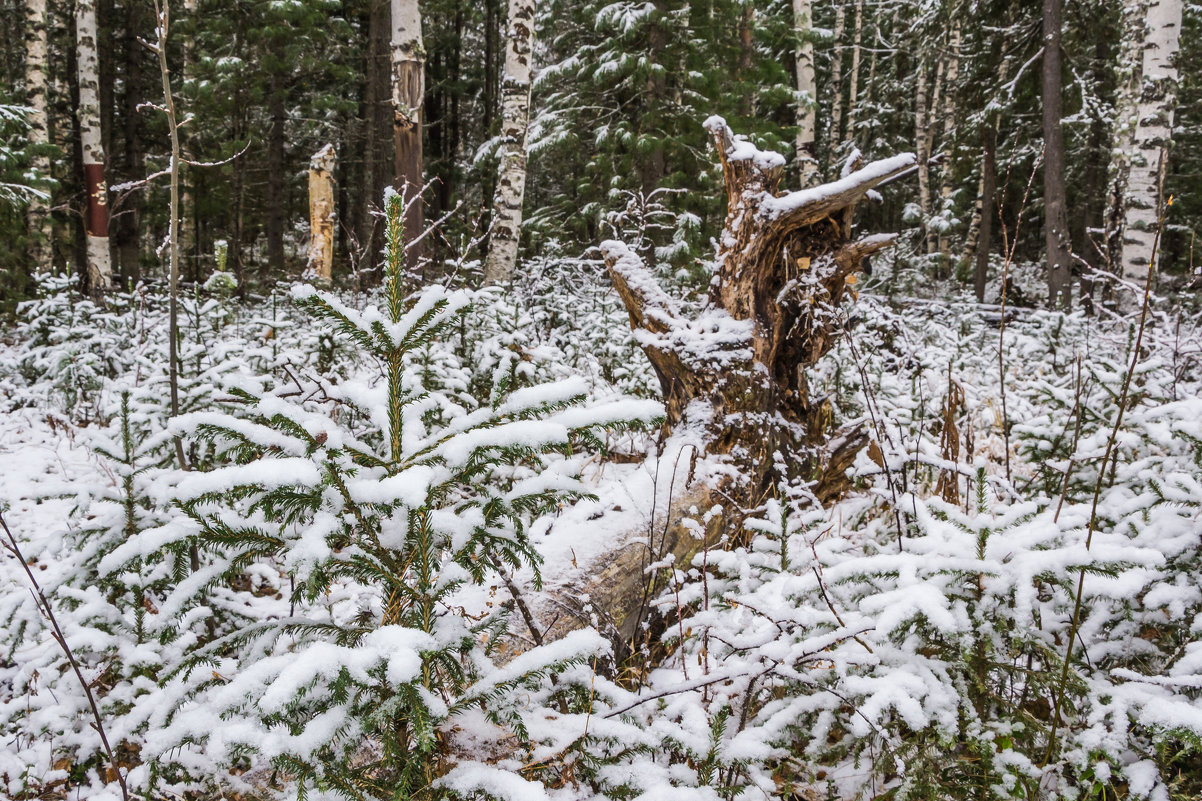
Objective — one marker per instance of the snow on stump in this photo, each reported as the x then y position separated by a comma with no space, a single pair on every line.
737,371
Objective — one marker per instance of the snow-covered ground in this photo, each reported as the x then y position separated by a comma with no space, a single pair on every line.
911,636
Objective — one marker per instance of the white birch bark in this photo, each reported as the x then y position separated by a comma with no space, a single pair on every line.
949,112
100,267
1144,131
515,118
35,98
807,92
408,58
321,214
922,140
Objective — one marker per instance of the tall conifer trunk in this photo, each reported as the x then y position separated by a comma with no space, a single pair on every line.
950,109
837,75
377,133
277,111
853,89
515,118
96,213
136,88
188,221
1056,232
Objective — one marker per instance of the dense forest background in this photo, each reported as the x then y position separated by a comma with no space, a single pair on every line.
620,92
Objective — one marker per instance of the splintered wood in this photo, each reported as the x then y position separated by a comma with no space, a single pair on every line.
738,371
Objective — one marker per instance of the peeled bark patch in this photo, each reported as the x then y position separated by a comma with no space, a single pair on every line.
737,371
321,214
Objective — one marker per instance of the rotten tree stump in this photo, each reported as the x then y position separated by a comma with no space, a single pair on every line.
737,370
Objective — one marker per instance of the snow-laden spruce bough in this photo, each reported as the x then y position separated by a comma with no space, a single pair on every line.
335,641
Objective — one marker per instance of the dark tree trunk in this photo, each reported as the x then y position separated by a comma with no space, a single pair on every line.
377,134
74,185
652,169
1056,232
276,109
341,179
136,90
435,125
491,65
490,102
773,312
450,177
988,208
746,59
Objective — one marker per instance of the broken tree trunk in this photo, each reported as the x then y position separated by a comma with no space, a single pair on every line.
738,371
321,214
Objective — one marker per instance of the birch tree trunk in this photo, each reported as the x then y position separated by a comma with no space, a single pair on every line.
934,102
321,214
837,75
408,92
515,119
1152,29
946,185
1056,232
922,139
96,215
807,92
35,98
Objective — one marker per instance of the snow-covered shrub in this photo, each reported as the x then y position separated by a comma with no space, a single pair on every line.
72,347
904,644
376,500
582,325
110,613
